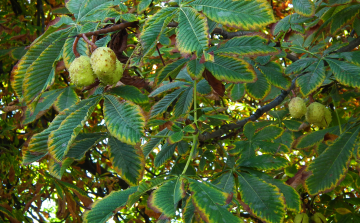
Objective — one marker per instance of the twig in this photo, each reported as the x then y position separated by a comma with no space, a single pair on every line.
93,46
110,29
76,53
162,60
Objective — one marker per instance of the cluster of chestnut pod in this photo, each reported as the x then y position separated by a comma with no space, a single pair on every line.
102,64
304,218
316,113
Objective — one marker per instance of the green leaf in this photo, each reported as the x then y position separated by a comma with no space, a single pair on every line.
154,27
283,25
292,125
171,69
67,99
265,162
185,102
164,199
246,46
209,202
144,187
192,31
309,82
167,87
58,169
61,139
330,167
82,143
102,209
38,145
203,87
225,182
345,73
273,73
304,7
149,146
127,160
165,153
292,197
268,133
19,71
7,213
81,47
125,121
231,69
299,65
41,73
161,106
246,15
143,4
195,68
260,89
188,211
45,102
176,137
84,8
130,93
312,138
237,92
249,130
264,200
344,17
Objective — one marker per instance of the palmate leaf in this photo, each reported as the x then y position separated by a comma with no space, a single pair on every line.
81,8
344,17
167,87
304,7
164,103
38,145
246,46
171,69
345,73
188,210
209,201
143,4
19,71
313,138
273,73
45,102
67,99
94,11
195,68
260,89
130,93
185,102
231,69
154,27
299,65
125,121
237,92
81,47
165,199
203,87
61,139
41,73
264,200
83,142
330,167
192,31
165,153
149,146
292,197
244,14
127,160
225,182
309,82
103,209
265,162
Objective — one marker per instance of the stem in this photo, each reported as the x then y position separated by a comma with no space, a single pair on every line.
194,136
337,116
76,53
92,45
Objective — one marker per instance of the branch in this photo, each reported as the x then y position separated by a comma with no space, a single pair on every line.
109,29
277,101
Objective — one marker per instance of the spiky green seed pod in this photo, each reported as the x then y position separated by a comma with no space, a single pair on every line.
112,77
297,107
301,218
80,71
103,61
326,120
315,113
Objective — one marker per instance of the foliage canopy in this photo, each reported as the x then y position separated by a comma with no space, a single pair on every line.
198,128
